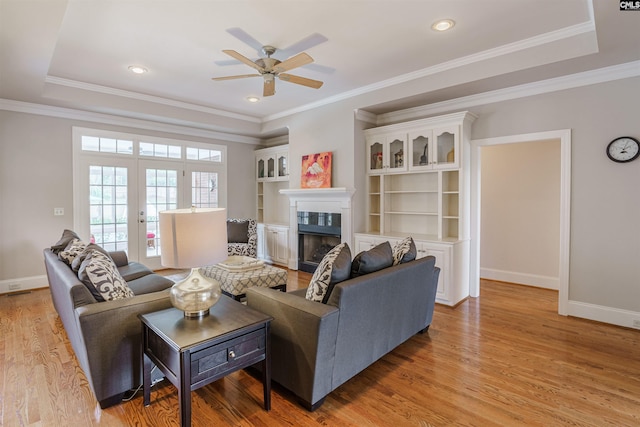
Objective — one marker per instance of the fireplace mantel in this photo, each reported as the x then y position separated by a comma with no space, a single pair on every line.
319,193
333,200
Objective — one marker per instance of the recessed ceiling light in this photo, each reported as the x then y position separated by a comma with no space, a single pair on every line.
443,25
253,99
137,69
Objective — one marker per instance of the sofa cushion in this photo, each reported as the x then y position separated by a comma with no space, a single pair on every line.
73,249
334,268
67,237
149,283
133,271
404,251
376,258
237,231
100,275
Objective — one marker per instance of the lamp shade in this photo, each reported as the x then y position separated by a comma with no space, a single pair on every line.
193,237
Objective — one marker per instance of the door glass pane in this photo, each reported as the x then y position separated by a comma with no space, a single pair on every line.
108,207
161,190
204,189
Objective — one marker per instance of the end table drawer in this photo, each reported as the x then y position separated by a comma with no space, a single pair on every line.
220,359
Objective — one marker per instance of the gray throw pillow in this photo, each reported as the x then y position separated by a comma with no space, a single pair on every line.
374,259
404,251
67,237
334,268
237,231
100,275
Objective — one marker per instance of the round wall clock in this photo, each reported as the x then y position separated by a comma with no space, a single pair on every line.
623,149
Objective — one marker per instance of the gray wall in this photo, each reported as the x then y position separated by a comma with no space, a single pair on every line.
36,176
605,207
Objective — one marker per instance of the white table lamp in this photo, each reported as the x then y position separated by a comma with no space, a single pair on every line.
194,238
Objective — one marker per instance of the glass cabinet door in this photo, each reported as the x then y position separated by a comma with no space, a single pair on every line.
446,148
271,167
396,154
420,150
260,169
375,163
282,166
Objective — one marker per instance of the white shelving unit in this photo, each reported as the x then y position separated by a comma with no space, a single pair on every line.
272,208
425,197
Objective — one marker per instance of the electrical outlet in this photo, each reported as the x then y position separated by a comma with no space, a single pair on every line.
636,323
58,211
15,286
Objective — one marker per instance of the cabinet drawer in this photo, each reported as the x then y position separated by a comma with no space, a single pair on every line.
220,359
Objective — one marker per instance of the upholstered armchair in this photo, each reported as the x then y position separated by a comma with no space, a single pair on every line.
242,237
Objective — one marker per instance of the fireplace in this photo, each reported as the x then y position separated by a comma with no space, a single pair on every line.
335,200
318,233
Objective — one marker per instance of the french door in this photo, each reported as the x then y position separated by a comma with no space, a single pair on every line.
118,195
160,187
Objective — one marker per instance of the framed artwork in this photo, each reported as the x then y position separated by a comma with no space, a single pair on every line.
316,170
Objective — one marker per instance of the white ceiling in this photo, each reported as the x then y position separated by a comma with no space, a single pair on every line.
76,53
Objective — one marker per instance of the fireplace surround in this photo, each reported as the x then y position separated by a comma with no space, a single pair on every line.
335,200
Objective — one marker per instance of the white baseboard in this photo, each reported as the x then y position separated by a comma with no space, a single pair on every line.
599,313
538,281
23,284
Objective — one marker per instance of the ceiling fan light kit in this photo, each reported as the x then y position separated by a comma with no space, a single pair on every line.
270,68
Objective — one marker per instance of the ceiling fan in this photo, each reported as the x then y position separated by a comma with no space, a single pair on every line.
270,68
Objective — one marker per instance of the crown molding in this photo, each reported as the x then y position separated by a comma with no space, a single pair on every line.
586,78
72,114
531,42
365,116
147,98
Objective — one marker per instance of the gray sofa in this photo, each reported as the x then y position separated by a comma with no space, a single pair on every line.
317,347
106,336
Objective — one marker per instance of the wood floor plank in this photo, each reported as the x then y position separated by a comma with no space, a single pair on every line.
503,359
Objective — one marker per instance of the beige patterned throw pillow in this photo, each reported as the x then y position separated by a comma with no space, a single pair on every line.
404,251
101,276
334,268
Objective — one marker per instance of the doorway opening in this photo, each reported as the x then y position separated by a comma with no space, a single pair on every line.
564,136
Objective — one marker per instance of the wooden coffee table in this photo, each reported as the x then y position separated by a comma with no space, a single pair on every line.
195,352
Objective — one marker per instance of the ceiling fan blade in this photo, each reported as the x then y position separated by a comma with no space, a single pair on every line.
241,76
304,44
316,84
269,87
242,35
294,62
243,59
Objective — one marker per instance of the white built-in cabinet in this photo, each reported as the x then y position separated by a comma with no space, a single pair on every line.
418,185
273,243
272,208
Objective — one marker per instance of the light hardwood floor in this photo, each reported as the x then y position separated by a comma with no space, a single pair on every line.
506,358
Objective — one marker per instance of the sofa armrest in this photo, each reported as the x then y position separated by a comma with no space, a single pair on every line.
303,338
111,349
119,258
